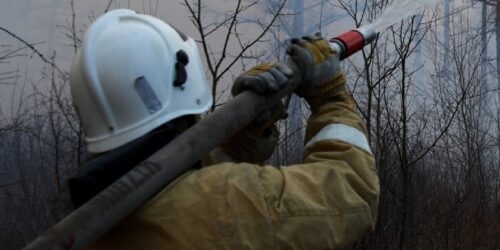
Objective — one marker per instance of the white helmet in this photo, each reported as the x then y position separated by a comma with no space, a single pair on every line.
134,73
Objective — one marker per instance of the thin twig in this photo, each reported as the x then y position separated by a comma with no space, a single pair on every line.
107,7
73,21
44,59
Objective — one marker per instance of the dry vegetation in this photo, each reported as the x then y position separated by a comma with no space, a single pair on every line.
426,89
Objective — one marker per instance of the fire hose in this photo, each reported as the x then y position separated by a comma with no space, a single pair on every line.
90,221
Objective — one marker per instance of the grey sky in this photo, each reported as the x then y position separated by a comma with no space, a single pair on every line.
44,22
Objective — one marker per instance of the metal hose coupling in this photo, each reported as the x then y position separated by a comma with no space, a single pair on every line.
352,41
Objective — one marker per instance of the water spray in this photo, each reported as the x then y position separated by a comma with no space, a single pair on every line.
352,41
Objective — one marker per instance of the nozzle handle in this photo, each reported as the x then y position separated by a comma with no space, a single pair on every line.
352,41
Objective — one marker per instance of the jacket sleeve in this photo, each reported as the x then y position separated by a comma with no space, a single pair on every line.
249,145
327,202
253,144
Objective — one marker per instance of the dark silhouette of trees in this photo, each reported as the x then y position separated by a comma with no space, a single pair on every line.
426,88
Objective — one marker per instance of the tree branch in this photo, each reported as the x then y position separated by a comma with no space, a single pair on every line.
44,59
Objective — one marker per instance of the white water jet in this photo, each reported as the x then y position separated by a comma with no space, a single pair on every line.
398,10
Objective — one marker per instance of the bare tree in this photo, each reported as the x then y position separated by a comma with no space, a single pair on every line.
436,146
41,144
221,56
400,116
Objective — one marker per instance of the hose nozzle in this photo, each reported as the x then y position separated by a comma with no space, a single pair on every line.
352,41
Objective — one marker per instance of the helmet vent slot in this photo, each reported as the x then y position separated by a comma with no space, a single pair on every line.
148,96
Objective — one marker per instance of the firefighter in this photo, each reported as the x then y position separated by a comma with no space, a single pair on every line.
137,82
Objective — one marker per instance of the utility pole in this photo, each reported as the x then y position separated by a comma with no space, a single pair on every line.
447,33
485,86
294,138
497,31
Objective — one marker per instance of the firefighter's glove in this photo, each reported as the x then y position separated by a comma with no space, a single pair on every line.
319,65
264,79
256,142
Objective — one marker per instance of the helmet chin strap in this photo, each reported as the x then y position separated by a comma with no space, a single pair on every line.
105,168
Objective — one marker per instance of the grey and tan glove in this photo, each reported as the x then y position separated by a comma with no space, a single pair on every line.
257,141
322,77
264,79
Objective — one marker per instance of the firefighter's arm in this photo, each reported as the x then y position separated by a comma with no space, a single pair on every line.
329,201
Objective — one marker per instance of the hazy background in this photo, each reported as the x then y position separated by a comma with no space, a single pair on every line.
46,22
427,88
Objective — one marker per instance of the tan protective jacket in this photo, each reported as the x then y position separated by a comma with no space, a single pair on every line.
327,202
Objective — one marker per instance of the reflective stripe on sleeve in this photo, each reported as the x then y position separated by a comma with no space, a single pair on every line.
343,133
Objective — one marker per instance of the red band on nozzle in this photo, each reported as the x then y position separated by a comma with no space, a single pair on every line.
353,41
